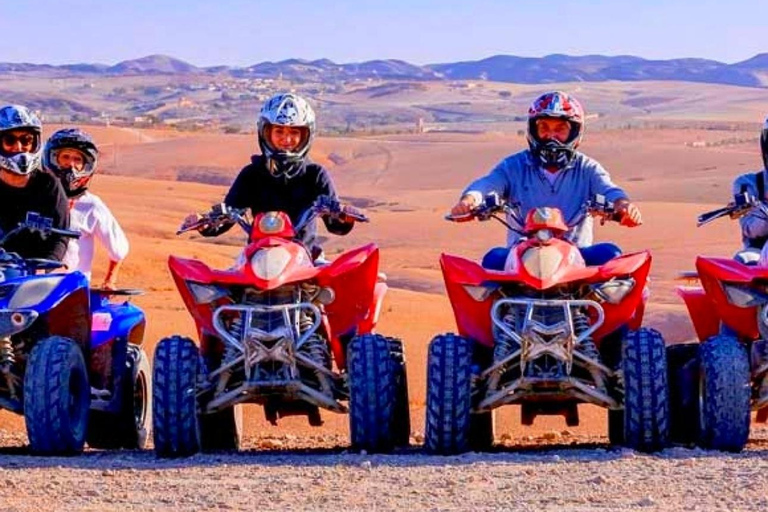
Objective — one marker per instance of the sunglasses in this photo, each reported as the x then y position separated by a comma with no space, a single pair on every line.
10,139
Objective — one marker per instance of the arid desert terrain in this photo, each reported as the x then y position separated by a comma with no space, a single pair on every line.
153,178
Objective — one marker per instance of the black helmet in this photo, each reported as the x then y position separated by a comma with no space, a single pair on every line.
75,182
286,109
16,117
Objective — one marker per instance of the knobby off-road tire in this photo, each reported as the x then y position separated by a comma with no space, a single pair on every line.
449,372
176,422
646,392
401,420
372,395
130,428
724,394
57,397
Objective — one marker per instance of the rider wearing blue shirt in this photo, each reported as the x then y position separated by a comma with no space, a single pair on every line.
552,173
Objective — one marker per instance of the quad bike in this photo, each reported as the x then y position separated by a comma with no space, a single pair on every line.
58,357
278,330
547,333
715,383
44,334
120,415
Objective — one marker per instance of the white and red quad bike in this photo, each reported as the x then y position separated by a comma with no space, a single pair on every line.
279,331
717,382
547,333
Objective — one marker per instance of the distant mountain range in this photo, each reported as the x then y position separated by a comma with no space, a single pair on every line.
501,68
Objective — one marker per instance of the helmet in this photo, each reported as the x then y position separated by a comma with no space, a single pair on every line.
286,109
75,182
16,117
764,143
559,105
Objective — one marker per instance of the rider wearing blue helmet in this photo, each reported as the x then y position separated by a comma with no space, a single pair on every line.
25,187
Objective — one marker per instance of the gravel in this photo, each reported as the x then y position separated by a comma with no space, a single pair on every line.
575,474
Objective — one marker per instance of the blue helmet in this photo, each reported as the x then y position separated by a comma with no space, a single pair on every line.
75,182
16,117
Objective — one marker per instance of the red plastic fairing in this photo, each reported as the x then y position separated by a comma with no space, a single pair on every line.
712,273
545,218
473,317
352,276
702,311
372,318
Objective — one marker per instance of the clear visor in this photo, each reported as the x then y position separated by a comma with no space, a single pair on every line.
286,139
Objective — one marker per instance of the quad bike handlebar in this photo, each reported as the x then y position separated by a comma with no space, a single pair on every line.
221,215
597,206
742,204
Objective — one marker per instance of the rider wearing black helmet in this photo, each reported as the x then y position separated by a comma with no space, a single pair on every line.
72,156
25,188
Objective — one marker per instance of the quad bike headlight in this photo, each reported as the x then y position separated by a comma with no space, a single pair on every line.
542,262
33,292
270,262
614,291
205,293
744,296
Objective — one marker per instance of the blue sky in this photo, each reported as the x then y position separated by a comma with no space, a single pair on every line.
242,32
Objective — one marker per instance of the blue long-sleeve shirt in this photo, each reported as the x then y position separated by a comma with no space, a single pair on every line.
518,179
754,225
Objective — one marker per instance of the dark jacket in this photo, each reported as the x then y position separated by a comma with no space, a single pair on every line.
44,195
256,188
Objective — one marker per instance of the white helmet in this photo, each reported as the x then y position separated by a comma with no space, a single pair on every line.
16,117
286,109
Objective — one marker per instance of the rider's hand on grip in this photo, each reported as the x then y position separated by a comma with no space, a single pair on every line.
462,211
191,221
629,214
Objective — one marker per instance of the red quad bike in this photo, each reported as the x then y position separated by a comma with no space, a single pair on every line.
547,333
716,382
279,331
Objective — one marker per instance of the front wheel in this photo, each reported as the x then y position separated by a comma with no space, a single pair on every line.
683,375
176,420
724,394
646,393
449,372
222,430
57,397
372,383
401,420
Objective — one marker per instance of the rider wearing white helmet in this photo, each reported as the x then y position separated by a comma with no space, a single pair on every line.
282,177
72,156
551,172
25,188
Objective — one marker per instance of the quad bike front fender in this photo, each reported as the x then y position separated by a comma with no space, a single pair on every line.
703,312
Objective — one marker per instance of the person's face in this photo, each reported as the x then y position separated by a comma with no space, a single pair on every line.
18,141
550,128
69,158
285,138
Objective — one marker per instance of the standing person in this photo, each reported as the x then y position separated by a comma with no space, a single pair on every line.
282,177
25,188
551,172
72,156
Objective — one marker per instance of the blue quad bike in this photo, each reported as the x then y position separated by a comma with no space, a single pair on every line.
71,382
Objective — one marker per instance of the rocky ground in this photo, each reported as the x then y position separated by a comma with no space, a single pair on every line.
553,471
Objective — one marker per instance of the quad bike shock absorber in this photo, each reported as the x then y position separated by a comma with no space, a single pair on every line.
7,359
504,345
316,349
587,347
